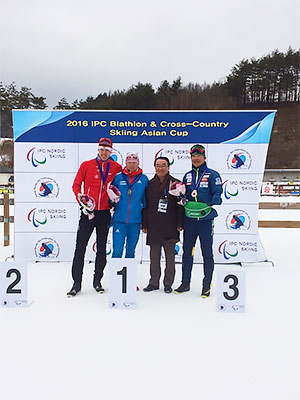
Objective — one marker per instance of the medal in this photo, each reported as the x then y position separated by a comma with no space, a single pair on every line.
103,176
196,184
126,179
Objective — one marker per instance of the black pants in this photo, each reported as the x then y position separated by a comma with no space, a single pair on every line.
101,222
155,270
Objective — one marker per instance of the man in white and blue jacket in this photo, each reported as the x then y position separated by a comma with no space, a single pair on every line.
127,217
203,190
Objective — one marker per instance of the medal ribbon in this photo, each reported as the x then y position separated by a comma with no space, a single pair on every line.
136,178
197,184
103,177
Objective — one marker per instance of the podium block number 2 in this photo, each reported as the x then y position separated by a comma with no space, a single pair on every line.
17,273
13,284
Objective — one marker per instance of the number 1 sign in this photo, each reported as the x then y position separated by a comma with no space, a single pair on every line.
13,284
122,283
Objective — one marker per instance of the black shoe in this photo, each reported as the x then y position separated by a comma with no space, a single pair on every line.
184,287
168,289
205,292
76,288
98,287
150,288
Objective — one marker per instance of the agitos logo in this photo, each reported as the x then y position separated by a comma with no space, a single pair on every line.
47,248
228,250
108,248
239,159
164,153
34,159
229,190
33,217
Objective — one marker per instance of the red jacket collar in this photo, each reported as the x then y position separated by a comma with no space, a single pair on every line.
132,175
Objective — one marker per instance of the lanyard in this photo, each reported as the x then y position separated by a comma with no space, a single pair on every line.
196,184
103,177
136,178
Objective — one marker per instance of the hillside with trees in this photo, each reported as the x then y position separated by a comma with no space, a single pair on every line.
270,82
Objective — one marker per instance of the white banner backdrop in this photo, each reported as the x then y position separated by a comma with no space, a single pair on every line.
48,154
49,187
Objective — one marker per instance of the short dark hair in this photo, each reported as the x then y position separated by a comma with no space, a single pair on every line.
162,158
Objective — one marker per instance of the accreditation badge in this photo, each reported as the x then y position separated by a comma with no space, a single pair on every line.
162,205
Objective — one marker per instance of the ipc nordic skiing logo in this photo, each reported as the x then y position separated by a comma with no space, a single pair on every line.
108,248
36,217
239,159
228,250
164,153
35,158
229,189
47,248
46,188
238,220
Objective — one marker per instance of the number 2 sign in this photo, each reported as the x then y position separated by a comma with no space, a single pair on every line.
231,291
13,284
122,283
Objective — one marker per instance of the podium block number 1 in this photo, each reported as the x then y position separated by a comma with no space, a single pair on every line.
122,283
13,284
123,273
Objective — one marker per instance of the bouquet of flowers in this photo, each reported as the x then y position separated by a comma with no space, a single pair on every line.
87,205
177,189
113,193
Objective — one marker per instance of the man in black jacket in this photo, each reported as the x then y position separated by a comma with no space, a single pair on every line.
162,221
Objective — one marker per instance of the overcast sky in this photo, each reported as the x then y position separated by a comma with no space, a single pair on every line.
77,48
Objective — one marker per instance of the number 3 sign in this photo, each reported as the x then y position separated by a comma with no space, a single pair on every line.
13,284
231,291
122,283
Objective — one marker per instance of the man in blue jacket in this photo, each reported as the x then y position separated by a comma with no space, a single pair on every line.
203,190
127,217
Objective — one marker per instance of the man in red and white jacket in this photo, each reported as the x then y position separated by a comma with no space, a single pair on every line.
94,175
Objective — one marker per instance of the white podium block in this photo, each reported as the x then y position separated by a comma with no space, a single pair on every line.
231,291
13,284
122,283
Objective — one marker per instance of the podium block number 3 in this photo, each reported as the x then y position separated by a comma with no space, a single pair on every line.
231,291
233,287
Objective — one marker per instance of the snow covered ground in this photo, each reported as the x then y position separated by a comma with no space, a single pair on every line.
170,347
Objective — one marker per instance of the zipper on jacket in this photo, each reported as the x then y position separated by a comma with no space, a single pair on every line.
129,208
197,176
